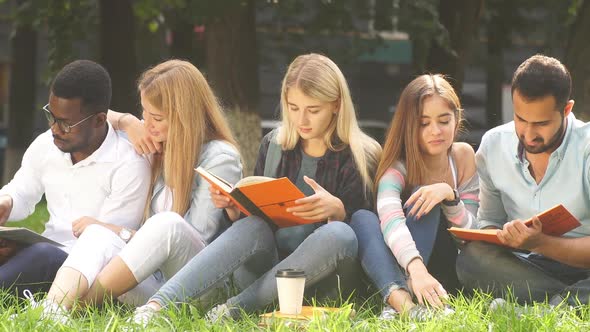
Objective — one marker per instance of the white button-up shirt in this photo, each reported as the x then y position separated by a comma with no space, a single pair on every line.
110,185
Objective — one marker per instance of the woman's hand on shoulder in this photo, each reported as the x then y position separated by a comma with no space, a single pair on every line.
426,288
222,202
140,138
320,206
427,197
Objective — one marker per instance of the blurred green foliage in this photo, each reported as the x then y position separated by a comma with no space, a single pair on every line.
35,221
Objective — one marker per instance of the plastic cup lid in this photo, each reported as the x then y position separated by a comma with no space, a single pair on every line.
290,273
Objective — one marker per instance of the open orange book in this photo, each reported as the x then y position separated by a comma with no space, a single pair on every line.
261,196
556,221
307,314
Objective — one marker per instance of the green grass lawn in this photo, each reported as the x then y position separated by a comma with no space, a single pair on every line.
471,314
36,221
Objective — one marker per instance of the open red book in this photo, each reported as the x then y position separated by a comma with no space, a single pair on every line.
261,196
556,221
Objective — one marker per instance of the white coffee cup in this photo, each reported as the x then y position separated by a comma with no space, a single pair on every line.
290,286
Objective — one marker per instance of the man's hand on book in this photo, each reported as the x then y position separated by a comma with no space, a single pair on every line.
517,234
7,250
320,206
222,202
5,208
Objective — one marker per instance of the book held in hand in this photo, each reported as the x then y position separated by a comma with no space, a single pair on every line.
556,222
24,236
261,196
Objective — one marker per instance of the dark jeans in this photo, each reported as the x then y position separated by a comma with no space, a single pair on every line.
434,242
33,268
531,277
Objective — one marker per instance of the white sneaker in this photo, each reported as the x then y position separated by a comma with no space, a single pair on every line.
422,313
54,312
388,313
221,313
51,310
498,304
143,315
501,305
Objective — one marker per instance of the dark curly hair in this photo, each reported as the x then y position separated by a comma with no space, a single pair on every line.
86,80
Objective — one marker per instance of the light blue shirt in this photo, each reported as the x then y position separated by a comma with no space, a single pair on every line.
508,191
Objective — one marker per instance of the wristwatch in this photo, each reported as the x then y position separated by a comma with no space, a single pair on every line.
125,234
453,202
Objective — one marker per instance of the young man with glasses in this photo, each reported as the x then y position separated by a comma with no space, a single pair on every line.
83,167
63,126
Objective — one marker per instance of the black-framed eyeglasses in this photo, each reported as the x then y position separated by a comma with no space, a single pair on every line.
66,128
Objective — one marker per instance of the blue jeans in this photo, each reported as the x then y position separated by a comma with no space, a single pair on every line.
33,267
247,253
433,241
531,277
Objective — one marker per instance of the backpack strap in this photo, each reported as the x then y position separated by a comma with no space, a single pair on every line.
273,156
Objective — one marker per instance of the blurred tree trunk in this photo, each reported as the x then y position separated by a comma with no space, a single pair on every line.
232,70
577,61
498,39
117,52
186,44
461,19
21,104
494,80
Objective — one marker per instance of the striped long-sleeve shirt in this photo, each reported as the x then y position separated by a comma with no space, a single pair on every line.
393,221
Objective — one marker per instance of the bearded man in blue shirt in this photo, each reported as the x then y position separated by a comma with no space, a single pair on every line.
525,167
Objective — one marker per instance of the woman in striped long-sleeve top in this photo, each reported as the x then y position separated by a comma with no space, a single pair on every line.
426,182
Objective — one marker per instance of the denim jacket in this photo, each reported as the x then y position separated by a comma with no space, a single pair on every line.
223,160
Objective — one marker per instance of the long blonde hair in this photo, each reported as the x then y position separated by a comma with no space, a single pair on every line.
401,142
181,93
320,78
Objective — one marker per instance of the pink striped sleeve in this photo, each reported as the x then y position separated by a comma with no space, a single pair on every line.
392,218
